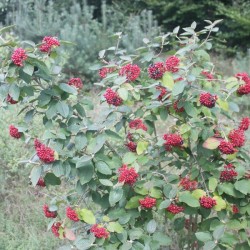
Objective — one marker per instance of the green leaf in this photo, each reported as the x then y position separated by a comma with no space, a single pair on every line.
67,88
7,28
228,188
129,158
162,238
209,245
51,179
35,174
212,184
190,109
220,203
123,93
135,233
86,171
115,227
133,202
141,147
198,193
218,232
28,69
87,216
178,88
42,71
184,128
211,143
155,193
203,236
62,108
80,141
243,186
106,182
103,168
187,198
168,81
29,115
57,168
14,91
151,226
113,135
115,196
223,104
96,144
164,204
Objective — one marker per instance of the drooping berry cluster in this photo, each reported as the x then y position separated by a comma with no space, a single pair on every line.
207,202
112,97
237,137
48,43
55,228
208,75
172,64
235,209
104,71
163,92
48,213
45,154
76,82
19,56
178,109
71,214
187,184
137,124
156,70
14,132
243,89
41,183
131,146
147,202
227,147
99,231
208,100
228,174
172,140
174,209
127,175
131,71
10,100
244,123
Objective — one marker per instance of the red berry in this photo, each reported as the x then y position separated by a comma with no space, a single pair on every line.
127,175
174,140
235,209
76,82
71,214
41,183
130,137
137,124
208,75
228,174
208,100
172,64
14,132
10,100
131,146
245,123
227,147
163,92
112,97
175,209
243,76
187,184
48,43
48,213
207,202
104,71
147,202
156,70
45,154
237,137
244,89
99,231
131,71
19,56
178,110
55,229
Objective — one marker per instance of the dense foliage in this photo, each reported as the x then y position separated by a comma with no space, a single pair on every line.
167,148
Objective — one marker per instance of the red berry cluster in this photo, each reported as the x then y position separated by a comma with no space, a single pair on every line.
187,184
76,82
208,75
175,209
41,183
99,232
104,71
131,71
163,92
227,147
208,100
112,97
131,146
207,202
45,154
156,70
55,228
228,174
10,100
172,64
172,140
178,110
237,137
19,56
137,124
71,214
235,209
127,175
244,89
14,132
245,123
130,136
48,213
48,43
147,202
